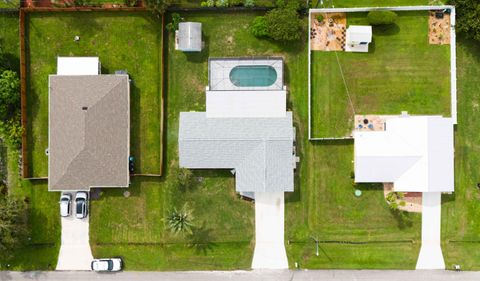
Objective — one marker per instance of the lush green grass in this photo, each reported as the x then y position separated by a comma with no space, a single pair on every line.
401,72
460,220
9,4
130,41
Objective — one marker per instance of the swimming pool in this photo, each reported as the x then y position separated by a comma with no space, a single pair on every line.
253,75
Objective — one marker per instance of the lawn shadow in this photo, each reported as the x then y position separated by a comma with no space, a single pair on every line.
200,239
385,30
200,57
404,219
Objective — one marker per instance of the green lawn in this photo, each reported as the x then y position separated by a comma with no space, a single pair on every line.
10,39
401,72
129,41
460,220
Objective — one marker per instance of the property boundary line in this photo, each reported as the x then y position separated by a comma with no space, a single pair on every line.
23,94
23,76
453,68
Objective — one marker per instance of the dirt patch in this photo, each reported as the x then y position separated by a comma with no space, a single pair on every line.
439,28
327,32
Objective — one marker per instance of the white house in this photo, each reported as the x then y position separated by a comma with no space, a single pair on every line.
416,154
357,38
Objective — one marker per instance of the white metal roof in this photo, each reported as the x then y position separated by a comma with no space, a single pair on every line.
415,153
246,103
190,36
359,33
78,66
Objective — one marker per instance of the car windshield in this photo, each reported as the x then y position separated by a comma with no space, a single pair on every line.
110,265
64,200
79,206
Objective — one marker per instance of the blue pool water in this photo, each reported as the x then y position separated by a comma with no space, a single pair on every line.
253,75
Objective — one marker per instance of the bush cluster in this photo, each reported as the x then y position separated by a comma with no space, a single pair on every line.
381,17
280,24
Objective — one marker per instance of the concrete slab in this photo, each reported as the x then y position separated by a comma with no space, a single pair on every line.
269,231
75,253
431,256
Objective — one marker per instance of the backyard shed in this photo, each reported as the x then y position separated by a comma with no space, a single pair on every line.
189,37
358,37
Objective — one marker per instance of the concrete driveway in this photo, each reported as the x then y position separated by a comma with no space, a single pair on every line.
431,256
269,231
75,253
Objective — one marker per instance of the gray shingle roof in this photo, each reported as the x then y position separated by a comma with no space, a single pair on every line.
89,131
259,149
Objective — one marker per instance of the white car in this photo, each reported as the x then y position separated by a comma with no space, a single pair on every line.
81,205
65,203
112,264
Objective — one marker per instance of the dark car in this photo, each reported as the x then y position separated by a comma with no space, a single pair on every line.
131,164
81,205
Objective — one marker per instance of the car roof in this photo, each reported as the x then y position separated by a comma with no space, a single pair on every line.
100,265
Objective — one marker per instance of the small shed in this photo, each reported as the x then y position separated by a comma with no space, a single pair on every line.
189,37
358,37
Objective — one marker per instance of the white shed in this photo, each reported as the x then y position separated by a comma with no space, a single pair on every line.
78,66
358,37
189,37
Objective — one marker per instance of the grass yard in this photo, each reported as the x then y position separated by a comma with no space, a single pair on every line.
401,72
123,41
460,221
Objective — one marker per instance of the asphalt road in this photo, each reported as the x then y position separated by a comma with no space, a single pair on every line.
264,275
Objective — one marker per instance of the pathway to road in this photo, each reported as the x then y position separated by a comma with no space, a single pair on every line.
431,256
272,275
269,231
75,253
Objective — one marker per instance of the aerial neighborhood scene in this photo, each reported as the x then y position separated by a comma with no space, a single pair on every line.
261,137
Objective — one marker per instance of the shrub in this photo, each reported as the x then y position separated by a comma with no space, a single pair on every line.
222,3
249,3
180,221
236,3
319,18
9,94
210,3
259,27
173,25
11,131
381,17
283,24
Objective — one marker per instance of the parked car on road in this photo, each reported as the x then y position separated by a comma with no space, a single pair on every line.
65,203
112,264
81,204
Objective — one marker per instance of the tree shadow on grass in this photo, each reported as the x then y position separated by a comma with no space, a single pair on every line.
200,240
386,30
404,219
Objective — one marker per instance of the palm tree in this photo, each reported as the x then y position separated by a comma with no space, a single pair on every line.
180,221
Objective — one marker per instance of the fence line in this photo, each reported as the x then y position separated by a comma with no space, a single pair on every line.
23,95
453,68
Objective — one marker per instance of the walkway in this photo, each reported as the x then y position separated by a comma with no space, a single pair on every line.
75,253
254,275
431,253
269,231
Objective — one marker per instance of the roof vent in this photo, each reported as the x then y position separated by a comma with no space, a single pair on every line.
84,107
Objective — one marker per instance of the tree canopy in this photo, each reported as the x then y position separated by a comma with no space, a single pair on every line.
468,17
12,225
281,24
381,17
9,94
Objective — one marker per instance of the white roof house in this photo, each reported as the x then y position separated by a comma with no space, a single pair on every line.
78,66
415,153
189,37
357,38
